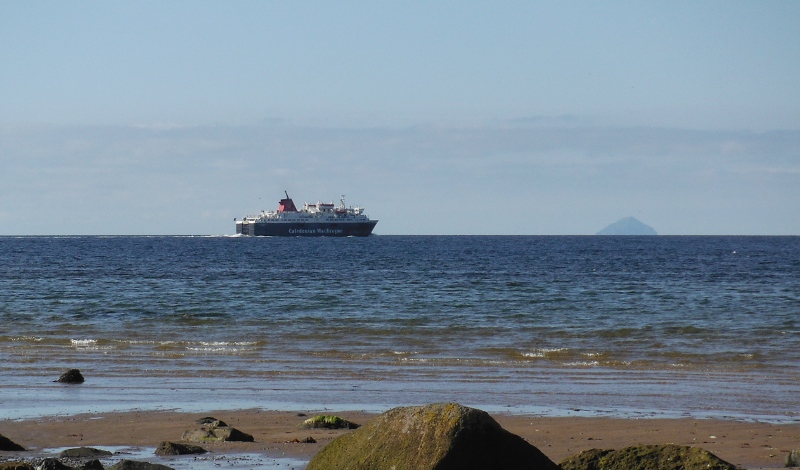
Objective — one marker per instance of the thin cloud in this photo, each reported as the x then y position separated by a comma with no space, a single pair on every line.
199,170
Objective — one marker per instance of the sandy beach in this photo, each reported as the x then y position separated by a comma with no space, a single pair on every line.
745,444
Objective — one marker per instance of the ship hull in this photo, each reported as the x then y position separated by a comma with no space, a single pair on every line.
306,229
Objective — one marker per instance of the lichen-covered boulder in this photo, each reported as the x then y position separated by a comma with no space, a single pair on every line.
72,376
137,465
648,457
174,448
443,436
793,458
586,460
328,422
7,444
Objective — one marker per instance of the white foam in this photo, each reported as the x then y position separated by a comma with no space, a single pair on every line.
543,352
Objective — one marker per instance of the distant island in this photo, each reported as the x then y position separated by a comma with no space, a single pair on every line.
627,226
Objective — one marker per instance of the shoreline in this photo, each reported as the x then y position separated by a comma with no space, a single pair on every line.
530,392
748,445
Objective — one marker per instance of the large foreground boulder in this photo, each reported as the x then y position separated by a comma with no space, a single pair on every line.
444,436
7,444
649,457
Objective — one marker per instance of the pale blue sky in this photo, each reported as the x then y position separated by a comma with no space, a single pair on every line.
438,117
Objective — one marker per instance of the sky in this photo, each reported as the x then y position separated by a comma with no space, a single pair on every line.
438,117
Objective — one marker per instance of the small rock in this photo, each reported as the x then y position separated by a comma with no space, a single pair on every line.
72,376
328,422
214,430
52,464
84,453
308,440
174,448
136,465
222,434
209,421
793,458
7,444
16,466
92,465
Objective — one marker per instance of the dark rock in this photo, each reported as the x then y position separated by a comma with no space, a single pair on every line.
16,466
649,457
174,448
328,422
793,458
84,453
72,376
92,465
136,465
52,464
444,436
9,445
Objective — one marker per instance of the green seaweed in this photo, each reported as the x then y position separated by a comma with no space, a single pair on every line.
328,422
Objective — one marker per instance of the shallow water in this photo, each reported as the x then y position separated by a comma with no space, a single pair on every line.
208,461
621,326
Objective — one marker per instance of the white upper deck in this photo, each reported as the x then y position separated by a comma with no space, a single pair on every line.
319,212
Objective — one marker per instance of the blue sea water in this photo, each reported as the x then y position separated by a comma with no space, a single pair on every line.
551,325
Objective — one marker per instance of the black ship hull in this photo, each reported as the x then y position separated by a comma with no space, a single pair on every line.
306,229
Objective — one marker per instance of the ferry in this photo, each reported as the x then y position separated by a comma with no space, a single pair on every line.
313,220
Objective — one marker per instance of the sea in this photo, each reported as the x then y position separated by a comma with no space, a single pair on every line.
618,326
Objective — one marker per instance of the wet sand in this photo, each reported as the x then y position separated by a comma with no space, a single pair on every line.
745,444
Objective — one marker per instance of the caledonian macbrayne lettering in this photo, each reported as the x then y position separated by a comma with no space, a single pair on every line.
321,231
